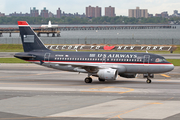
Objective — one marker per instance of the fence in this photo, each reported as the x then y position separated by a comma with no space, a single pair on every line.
51,40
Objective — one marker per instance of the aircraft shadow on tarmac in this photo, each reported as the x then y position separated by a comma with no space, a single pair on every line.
95,82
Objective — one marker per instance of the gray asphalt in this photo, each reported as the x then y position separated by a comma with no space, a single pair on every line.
11,55
29,91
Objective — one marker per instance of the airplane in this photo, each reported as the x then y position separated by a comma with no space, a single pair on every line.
104,65
49,25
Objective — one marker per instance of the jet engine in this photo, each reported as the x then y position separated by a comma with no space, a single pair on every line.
128,75
107,74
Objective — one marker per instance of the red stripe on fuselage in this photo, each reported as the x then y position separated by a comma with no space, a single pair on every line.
100,62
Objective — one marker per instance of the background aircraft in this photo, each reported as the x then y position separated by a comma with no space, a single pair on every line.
49,25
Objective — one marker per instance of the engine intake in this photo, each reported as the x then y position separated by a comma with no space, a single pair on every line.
107,74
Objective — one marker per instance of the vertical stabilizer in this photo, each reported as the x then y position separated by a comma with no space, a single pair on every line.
30,41
49,24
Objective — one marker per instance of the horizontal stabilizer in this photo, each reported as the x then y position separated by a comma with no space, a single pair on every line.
24,56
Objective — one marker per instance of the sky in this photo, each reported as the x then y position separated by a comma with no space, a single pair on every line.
73,6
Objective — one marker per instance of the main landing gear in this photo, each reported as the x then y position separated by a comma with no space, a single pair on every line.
148,80
88,80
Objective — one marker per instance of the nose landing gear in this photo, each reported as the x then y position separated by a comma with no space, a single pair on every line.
148,76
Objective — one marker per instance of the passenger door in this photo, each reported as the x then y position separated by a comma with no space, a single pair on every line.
47,57
146,60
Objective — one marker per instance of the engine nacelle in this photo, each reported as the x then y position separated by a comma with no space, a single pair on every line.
107,74
128,75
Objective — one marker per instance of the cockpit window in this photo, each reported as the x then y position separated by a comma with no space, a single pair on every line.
164,60
160,60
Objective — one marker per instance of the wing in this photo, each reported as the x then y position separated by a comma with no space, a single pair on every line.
92,68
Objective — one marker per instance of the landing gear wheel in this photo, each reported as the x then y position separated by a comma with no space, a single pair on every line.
101,80
88,80
148,81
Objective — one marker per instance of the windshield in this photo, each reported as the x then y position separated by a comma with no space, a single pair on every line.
160,60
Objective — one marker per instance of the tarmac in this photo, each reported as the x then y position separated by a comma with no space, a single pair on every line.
32,92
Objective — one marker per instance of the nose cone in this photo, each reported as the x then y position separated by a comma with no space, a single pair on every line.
170,67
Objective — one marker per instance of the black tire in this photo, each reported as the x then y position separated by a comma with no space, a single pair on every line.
88,80
101,80
148,81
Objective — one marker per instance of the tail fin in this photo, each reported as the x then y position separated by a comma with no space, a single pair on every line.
49,24
30,41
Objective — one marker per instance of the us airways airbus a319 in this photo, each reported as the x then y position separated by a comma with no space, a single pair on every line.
104,65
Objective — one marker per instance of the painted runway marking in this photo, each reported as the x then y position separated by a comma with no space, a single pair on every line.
165,75
101,90
126,109
148,104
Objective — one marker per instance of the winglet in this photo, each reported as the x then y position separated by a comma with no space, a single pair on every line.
23,23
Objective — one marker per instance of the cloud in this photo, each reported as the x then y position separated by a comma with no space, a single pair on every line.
2,6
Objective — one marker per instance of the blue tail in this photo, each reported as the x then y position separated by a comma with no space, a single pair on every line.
30,41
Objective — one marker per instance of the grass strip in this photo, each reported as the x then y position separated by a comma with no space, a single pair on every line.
19,48
12,60
175,62
11,48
